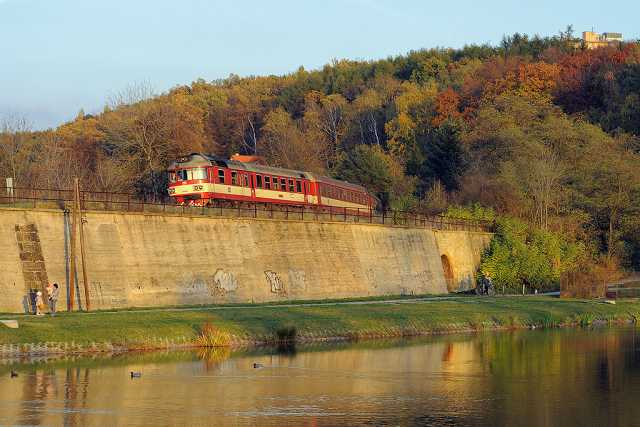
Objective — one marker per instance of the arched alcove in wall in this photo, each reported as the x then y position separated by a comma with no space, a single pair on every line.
447,269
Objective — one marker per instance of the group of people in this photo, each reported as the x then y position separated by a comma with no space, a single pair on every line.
53,290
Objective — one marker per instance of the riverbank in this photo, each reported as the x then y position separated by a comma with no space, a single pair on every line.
248,325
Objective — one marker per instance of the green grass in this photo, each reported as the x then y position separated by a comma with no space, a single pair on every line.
293,301
157,329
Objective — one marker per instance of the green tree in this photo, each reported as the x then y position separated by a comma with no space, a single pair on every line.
440,157
380,173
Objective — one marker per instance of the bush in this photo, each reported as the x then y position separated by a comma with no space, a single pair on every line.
520,254
210,336
475,212
286,334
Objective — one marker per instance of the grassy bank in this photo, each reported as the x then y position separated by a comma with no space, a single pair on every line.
123,330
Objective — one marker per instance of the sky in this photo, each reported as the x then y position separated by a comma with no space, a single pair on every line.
60,56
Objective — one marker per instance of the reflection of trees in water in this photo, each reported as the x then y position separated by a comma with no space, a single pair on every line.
509,378
543,375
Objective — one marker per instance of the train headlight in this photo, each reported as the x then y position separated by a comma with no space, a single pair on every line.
172,191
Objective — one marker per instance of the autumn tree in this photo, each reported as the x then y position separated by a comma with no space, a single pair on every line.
325,118
609,188
415,108
16,150
147,136
286,145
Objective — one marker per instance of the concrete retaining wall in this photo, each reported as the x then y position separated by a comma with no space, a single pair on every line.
136,260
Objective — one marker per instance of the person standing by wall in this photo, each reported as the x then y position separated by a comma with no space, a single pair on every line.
39,304
53,299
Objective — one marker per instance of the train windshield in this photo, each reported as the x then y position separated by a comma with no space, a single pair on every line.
198,173
188,174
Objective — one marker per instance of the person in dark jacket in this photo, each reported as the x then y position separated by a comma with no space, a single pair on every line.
53,299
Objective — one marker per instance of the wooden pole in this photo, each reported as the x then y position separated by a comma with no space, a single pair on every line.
72,267
83,255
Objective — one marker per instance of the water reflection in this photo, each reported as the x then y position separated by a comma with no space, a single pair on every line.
577,377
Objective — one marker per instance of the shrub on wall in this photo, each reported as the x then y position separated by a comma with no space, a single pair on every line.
520,254
473,212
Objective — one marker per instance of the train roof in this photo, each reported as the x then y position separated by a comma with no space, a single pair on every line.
201,160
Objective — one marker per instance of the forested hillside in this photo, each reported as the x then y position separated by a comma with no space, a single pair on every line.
535,129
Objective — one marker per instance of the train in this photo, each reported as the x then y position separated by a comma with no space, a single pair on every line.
204,180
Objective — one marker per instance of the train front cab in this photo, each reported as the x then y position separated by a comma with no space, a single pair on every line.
189,182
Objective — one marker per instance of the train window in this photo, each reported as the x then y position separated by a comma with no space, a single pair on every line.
283,184
221,176
234,178
275,185
245,180
267,182
308,187
259,181
292,187
298,186
172,177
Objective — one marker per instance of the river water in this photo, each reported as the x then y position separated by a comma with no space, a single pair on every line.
524,378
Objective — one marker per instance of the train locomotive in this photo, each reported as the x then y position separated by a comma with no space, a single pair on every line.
203,180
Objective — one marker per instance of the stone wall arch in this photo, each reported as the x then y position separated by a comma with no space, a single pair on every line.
447,270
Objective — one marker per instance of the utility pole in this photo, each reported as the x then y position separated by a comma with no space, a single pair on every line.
83,255
72,267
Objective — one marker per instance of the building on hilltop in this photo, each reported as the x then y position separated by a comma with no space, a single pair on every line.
593,40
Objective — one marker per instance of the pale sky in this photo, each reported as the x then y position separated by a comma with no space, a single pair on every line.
60,56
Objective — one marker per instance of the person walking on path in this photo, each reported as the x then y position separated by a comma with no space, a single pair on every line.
39,304
53,299
49,289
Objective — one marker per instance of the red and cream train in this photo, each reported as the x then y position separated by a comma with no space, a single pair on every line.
202,180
